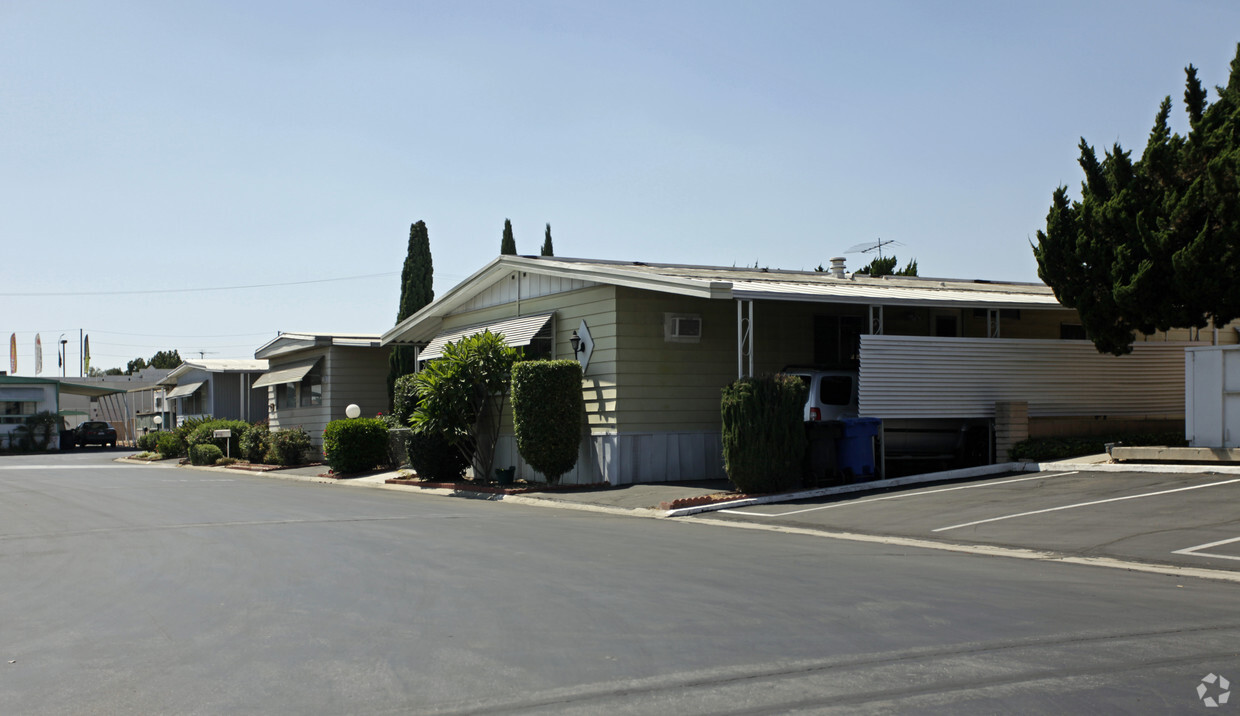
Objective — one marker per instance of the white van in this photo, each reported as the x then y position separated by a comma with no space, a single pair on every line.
832,393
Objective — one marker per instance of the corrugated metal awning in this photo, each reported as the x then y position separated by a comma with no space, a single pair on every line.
184,391
287,373
516,332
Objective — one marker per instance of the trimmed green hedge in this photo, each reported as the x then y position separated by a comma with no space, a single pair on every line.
1060,448
288,447
764,432
202,434
434,458
204,454
355,445
256,443
170,445
149,441
547,414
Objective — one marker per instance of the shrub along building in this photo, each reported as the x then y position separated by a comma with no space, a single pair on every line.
312,377
933,356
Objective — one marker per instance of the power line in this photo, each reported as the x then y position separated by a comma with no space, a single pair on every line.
195,290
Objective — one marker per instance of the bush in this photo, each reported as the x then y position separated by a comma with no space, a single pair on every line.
204,454
288,447
547,414
202,434
764,432
256,442
462,394
1060,448
434,458
355,445
227,461
170,445
188,426
149,442
404,398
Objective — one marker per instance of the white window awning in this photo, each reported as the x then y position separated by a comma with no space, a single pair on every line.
516,332
186,390
287,373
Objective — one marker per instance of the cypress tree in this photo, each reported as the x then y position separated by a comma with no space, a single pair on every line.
508,247
546,247
1152,243
416,290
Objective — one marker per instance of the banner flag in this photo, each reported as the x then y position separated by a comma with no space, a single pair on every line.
38,354
86,355
13,354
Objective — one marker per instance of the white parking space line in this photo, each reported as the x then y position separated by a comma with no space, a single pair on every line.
897,497
1084,504
1197,551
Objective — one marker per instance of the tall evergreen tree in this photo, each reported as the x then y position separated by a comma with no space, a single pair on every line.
416,290
546,247
508,246
1152,244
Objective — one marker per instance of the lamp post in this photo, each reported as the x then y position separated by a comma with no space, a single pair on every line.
158,420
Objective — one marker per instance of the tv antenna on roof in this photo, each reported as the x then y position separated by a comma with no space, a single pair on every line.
873,246
203,354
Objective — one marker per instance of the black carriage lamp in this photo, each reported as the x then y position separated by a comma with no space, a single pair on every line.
575,341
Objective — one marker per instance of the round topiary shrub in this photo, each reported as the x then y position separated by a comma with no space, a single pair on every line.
170,445
764,432
204,454
548,413
355,445
288,447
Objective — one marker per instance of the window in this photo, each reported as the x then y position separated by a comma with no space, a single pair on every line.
945,327
286,395
16,411
835,390
837,340
311,389
1072,332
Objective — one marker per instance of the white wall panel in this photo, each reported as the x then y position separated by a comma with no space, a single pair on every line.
922,377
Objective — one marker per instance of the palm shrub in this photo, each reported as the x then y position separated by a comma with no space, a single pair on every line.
355,445
170,445
256,442
764,432
547,412
288,447
462,394
204,454
430,453
35,432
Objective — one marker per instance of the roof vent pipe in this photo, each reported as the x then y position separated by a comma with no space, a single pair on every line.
837,266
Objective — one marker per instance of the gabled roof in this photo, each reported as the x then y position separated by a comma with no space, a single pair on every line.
717,282
286,343
227,365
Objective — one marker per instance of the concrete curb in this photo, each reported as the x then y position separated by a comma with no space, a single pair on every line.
943,476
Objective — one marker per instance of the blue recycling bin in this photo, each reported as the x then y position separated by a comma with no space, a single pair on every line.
854,449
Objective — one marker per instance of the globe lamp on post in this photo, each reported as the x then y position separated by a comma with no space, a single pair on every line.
352,411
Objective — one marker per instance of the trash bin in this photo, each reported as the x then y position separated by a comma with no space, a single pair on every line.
855,446
820,463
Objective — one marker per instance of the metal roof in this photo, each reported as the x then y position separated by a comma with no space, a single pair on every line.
730,283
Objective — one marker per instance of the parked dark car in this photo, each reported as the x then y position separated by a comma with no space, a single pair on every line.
94,432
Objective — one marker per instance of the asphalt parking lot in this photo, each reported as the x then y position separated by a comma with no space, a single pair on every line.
1185,520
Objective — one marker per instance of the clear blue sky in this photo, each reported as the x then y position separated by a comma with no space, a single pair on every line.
171,145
